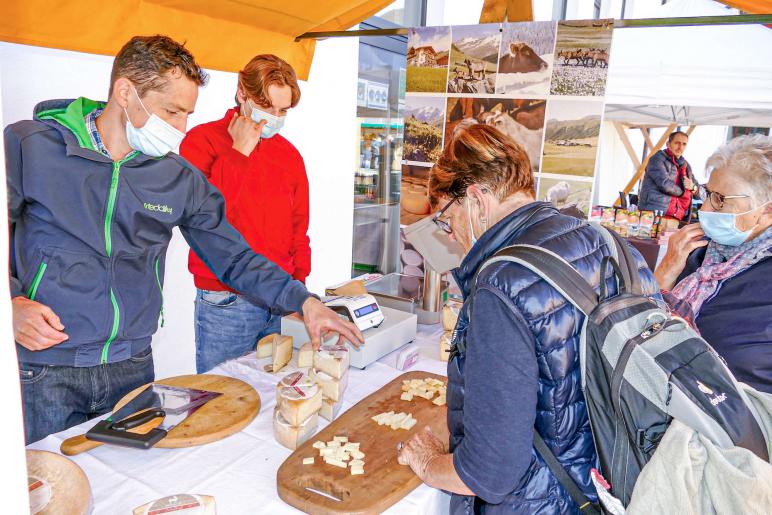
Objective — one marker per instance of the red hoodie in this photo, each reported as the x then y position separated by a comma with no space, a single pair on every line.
266,196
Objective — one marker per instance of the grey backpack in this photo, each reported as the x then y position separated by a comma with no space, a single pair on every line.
641,367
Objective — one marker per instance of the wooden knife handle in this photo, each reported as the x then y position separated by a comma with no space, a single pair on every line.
78,444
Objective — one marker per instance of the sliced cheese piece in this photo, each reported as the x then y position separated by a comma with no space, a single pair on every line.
450,314
333,360
293,436
308,461
319,445
445,345
182,504
408,423
355,471
297,402
330,409
265,347
356,463
281,352
439,401
341,439
357,455
331,388
306,356
406,396
337,463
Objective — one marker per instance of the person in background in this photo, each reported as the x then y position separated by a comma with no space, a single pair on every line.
94,193
263,179
669,185
515,365
718,274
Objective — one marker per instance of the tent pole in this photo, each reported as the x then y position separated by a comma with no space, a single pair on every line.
742,19
628,146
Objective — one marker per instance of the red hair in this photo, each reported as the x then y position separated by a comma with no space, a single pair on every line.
264,71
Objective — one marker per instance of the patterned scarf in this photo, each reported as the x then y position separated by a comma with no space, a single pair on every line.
722,262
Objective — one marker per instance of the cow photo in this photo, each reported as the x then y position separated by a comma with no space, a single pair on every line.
571,137
424,117
525,58
581,58
427,59
521,119
474,57
565,193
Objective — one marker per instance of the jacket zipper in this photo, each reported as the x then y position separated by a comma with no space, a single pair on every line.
160,290
113,193
33,288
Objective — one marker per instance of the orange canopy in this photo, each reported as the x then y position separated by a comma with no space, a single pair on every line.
221,34
750,6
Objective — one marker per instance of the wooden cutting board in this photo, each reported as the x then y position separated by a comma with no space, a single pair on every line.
222,416
57,486
385,481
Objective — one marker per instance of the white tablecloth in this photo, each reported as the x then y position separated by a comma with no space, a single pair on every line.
239,471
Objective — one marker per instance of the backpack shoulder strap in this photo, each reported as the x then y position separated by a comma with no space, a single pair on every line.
620,251
550,267
585,505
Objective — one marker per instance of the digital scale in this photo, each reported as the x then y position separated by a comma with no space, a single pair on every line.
384,329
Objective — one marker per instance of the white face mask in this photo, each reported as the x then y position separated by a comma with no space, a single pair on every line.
472,239
156,138
273,124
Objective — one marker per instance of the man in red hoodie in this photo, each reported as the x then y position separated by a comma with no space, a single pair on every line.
263,179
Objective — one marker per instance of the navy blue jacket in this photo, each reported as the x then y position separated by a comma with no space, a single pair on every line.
737,321
660,183
90,236
521,370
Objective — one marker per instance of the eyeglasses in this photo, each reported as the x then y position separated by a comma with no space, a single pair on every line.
442,224
717,199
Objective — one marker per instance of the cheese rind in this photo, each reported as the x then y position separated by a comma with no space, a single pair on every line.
306,356
333,360
331,388
293,436
179,504
265,347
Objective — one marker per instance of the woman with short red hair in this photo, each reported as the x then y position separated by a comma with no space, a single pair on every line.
263,179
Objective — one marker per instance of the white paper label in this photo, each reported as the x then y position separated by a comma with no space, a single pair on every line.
39,494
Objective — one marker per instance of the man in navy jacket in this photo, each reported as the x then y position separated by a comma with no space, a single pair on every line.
94,193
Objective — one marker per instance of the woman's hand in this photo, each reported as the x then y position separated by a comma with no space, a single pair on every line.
420,450
679,246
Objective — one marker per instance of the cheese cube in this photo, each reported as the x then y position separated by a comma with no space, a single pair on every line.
297,403
306,356
281,352
331,388
265,347
406,396
355,471
439,401
341,439
337,463
293,436
330,409
319,445
357,455
333,360
408,423
356,463
445,345
308,461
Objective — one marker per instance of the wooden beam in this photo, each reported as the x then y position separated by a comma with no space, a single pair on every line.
642,169
646,137
496,11
690,130
626,142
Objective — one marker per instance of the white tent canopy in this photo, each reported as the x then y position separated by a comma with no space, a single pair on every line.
658,115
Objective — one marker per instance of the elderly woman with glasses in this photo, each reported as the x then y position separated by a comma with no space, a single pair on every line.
718,274
515,368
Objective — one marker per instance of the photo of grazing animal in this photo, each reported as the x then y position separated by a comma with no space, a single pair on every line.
473,59
525,58
581,58
566,194
571,137
424,117
521,119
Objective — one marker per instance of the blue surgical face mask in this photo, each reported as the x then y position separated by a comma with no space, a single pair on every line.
156,138
722,227
273,124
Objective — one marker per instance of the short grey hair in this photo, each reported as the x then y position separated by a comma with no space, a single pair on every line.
750,159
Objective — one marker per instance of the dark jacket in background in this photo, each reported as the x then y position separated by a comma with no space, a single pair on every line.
737,321
89,236
521,370
660,182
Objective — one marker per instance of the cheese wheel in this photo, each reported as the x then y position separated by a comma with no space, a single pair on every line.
298,402
333,360
180,504
450,314
56,485
330,409
291,436
415,203
331,388
306,356
445,339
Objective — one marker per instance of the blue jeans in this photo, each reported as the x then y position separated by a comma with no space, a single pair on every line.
57,397
228,326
